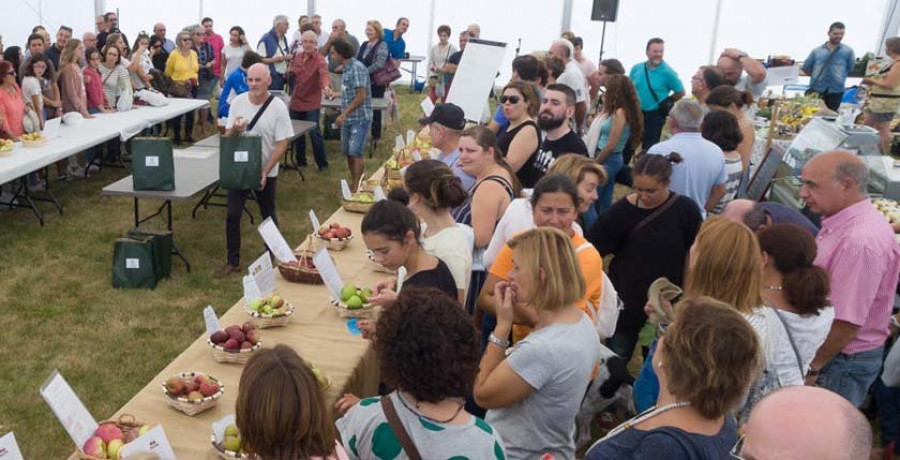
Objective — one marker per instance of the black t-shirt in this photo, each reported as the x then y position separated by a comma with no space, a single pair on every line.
455,58
538,164
438,277
527,176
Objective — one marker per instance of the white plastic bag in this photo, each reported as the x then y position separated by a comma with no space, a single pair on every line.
126,101
154,98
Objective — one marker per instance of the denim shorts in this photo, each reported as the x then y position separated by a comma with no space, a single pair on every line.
353,137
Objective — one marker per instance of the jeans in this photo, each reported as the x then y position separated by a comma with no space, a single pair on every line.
315,136
353,137
613,164
653,125
887,401
265,198
377,91
851,375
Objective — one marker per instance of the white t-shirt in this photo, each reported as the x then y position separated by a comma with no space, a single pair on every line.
274,125
453,247
587,68
574,78
31,86
757,89
282,49
517,218
233,57
808,333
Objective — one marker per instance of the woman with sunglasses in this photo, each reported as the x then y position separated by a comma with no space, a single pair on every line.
12,104
705,361
183,68
522,139
158,54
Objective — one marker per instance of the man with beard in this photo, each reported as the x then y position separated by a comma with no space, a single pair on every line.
828,66
557,107
655,81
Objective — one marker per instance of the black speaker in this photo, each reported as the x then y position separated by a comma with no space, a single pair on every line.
605,10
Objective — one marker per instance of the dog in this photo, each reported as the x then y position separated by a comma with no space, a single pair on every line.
611,389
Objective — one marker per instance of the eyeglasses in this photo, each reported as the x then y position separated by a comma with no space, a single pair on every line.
510,99
738,447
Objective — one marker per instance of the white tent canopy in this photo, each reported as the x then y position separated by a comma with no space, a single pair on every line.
691,29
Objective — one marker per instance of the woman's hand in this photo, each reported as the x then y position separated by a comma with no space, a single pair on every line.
384,292
505,293
654,315
345,403
368,329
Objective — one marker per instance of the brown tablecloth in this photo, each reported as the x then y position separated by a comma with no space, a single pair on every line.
316,332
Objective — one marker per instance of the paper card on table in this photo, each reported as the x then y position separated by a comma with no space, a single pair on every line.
410,137
153,444
51,128
241,156
416,155
398,142
251,289
219,426
262,272
328,272
211,320
9,450
314,220
379,193
70,411
275,241
151,161
401,277
427,106
345,190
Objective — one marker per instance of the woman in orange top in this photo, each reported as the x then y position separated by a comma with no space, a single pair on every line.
12,104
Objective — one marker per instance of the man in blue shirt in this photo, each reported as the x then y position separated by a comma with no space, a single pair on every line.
394,39
444,128
655,81
828,67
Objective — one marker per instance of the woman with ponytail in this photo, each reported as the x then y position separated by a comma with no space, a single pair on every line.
795,288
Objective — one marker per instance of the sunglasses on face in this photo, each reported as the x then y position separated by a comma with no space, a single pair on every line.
510,99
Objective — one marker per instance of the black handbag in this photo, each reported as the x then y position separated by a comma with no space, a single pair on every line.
665,105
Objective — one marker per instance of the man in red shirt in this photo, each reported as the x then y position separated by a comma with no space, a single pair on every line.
217,43
310,79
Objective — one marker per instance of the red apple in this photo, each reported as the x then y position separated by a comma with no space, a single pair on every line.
200,378
209,388
219,337
342,233
191,386
246,345
108,432
252,337
175,385
232,344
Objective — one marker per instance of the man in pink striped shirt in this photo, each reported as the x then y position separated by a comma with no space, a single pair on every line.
857,248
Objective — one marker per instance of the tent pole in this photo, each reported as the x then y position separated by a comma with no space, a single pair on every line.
566,17
99,7
199,10
889,25
715,32
310,7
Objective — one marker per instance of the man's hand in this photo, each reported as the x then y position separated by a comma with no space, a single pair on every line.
329,93
262,181
240,124
732,53
340,119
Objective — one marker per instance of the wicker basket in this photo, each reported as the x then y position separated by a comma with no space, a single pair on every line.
393,174
36,143
335,244
267,321
227,454
357,206
189,407
125,422
221,355
368,311
377,266
6,153
301,273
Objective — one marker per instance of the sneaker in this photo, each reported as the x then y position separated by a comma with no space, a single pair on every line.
323,168
37,187
93,168
226,270
75,171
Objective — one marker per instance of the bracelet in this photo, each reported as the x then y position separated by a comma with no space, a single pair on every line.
894,321
498,341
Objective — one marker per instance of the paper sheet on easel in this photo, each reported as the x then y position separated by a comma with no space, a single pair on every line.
264,274
275,241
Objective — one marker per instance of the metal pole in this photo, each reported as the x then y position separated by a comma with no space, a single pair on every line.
715,32
310,7
566,16
199,10
602,41
99,7
431,32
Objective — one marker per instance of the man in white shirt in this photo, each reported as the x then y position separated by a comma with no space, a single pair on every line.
734,63
573,78
700,174
316,21
274,126
587,66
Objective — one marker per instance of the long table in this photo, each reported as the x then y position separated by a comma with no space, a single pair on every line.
316,332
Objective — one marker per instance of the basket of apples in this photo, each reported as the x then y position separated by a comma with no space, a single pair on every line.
271,311
33,140
192,392
359,202
302,270
6,147
354,303
229,446
335,236
235,343
109,438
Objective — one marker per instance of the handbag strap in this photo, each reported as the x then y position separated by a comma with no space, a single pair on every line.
663,208
260,112
825,66
397,427
647,77
791,340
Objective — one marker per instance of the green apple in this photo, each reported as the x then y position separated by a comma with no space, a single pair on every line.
232,430
348,291
354,302
144,429
267,310
232,443
255,305
365,294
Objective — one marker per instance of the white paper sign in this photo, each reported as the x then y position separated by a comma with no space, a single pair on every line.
153,444
314,220
262,272
329,272
51,128
410,137
275,241
241,156
416,156
70,411
9,450
212,322
379,193
401,277
132,263
398,142
427,106
219,426
251,289
151,161
345,190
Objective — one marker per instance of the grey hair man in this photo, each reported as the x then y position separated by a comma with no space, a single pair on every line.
273,48
573,78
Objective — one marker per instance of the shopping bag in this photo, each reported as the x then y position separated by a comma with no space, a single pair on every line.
133,264
153,165
240,162
161,240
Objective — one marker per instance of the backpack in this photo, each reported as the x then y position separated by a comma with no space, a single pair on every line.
605,314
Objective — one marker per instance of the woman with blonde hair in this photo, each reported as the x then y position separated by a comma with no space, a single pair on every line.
281,411
374,55
533,394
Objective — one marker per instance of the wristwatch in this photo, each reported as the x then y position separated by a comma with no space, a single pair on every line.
741,56
498,341
812,372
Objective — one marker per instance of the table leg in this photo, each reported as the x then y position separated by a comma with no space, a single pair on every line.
412,84
175,250
23,193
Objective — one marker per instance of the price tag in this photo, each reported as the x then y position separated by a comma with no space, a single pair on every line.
427,106
379,193
398,142
9,449
314,220
132,263
153,444
151,161
401,277
70,411
275,241
410,137
329,272
251,289
345,190
218,427
262,272
212,322
241,156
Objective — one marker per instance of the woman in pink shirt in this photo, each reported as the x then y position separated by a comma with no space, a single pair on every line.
12,104
93,83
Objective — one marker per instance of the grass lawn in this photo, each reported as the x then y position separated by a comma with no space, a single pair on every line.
59,310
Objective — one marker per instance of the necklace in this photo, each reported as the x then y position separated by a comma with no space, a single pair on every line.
646,415
771,287
418,412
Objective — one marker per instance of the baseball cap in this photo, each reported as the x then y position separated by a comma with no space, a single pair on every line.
449,115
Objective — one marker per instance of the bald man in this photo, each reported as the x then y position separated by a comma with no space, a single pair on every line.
734,63
159,29
857,248
258,113
758,215
90,40
799,423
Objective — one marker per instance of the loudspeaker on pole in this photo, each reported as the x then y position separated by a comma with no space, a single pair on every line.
605,10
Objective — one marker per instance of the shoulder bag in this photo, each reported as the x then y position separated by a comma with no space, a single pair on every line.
665,105
661,209
812,84
397,427
387,74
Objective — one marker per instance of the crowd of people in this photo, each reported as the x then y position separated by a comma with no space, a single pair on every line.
498,331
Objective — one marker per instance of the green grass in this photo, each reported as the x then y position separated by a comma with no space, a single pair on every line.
59,310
